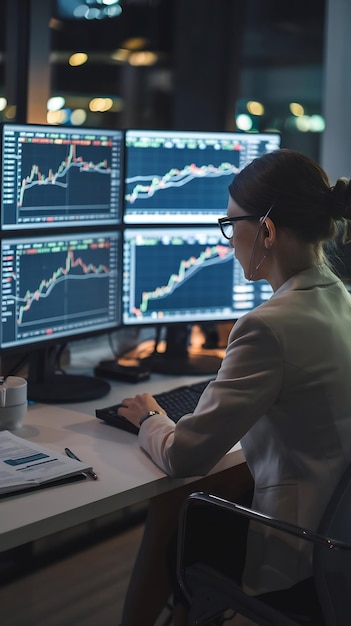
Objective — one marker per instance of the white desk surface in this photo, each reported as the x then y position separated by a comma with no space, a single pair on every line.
126,475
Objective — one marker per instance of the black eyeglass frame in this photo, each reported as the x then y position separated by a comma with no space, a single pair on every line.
227,221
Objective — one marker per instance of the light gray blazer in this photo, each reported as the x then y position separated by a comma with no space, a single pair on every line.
284,391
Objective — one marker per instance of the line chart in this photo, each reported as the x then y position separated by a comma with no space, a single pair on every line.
57,285
63,184
59,177
46,286
184,275
175,178
167,273
211,255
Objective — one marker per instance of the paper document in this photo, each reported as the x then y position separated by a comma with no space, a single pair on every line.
24,464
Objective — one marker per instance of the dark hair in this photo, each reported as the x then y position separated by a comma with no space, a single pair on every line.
300,194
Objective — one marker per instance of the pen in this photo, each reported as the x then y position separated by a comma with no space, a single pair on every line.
90,472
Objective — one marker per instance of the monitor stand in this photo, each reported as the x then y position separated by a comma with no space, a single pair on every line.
177,360
47,385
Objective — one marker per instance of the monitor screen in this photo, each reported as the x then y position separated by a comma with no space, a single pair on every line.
53,287
182,177
190,274
60,176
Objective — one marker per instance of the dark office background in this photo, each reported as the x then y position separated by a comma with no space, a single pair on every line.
187,64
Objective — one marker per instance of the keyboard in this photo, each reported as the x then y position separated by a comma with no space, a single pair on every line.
176,403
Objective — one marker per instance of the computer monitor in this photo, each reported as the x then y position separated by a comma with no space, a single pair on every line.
60,233
60,176
178,271
55,288
182,177
177,277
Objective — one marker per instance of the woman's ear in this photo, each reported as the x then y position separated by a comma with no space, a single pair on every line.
270,233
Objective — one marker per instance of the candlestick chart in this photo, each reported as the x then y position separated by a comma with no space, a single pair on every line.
177,277
69,177
145,187
173,184
53,287
180,176
51,178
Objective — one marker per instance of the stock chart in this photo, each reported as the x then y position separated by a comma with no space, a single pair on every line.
51,287
183,177
60,177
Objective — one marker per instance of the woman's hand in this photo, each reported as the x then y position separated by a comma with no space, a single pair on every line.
133,409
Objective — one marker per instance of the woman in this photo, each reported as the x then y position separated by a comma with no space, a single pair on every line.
283,388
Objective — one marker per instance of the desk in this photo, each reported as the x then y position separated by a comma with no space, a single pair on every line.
126,475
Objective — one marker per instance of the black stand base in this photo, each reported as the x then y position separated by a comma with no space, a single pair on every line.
189,365
51,387
177,360
64,388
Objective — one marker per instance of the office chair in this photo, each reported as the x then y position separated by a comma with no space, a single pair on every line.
211,593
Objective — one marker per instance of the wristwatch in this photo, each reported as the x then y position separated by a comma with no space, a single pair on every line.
147,415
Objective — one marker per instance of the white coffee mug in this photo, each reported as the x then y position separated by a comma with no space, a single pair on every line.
13,402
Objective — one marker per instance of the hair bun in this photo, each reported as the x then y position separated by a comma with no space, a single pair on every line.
341,199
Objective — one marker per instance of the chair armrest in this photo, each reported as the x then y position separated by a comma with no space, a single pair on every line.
197,498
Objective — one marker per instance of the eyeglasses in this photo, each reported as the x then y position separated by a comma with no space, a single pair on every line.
226,224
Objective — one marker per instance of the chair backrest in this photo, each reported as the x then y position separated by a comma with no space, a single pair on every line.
332,566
